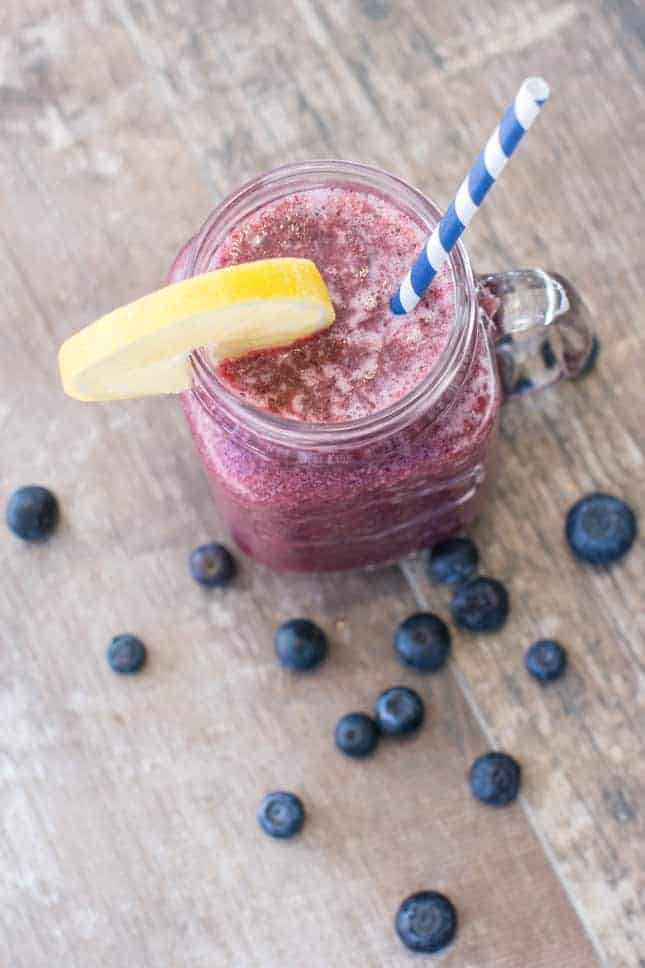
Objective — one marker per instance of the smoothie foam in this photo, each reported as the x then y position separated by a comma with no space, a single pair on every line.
369,358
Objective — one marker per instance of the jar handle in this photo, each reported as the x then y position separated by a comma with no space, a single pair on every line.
540,326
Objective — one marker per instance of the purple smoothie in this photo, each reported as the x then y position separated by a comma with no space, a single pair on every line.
310,509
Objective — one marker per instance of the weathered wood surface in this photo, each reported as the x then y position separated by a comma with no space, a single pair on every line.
127,808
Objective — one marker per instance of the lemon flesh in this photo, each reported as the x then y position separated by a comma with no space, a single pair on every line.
143,349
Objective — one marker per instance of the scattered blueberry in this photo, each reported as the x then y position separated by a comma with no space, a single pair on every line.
422,642
592,359
300,644
600,529
32,513
453,561
481,605
426,922
545,660
495,779
357,735
281,815
549,357
399,710
523,385
126,654
212,565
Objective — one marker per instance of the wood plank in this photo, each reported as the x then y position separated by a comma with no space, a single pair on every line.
128,808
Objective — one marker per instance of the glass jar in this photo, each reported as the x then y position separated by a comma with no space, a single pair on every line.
320,497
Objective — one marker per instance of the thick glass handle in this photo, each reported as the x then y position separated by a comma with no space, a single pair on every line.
540,326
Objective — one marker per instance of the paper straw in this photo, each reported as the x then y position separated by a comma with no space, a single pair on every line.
480,179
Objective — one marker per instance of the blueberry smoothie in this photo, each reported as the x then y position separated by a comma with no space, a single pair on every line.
354,468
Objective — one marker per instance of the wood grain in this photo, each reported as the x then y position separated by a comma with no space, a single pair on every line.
127,808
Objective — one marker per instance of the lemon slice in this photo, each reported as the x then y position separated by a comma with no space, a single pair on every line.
142,349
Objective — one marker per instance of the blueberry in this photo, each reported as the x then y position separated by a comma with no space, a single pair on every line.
522,385
453,561
422,642
495,779
481,605
600,529
399,710
32,513
281,815
212,565
356,735
126,654
549,357
545,660
426,922
300,644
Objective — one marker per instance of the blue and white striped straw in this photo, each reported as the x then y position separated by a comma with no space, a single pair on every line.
482,176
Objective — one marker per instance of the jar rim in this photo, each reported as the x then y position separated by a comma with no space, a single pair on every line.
423,398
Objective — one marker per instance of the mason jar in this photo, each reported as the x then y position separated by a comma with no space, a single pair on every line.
325,496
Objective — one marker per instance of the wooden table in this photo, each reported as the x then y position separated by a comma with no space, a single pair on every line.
128,806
